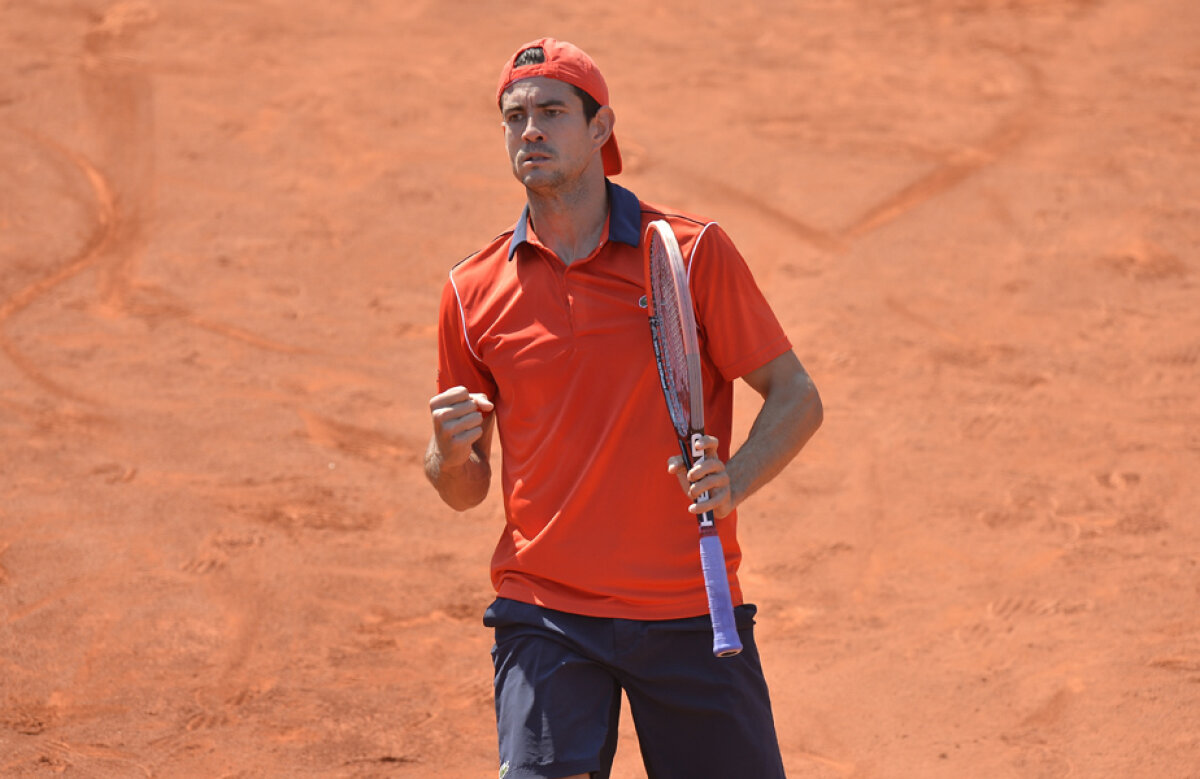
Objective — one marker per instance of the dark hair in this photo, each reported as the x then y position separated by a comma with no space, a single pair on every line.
535,55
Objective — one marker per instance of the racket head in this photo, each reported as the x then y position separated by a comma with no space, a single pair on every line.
673,326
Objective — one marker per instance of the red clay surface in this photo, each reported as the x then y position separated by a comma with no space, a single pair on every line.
223,231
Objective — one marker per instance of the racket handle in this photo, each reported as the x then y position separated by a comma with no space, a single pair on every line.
720,605
697,443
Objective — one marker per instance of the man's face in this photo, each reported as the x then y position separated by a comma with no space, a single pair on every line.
549,140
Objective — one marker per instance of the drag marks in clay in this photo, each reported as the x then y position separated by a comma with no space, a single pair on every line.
219,548
951,169
119,185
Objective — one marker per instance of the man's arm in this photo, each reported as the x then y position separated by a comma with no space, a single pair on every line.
790,414
457,461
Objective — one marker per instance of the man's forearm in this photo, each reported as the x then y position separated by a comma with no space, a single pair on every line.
789,417
460,486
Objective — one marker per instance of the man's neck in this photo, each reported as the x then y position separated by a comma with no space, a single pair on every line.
570,223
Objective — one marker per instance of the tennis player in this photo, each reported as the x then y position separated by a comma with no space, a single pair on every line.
543,337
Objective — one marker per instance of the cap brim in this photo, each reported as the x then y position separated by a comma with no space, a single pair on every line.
611,154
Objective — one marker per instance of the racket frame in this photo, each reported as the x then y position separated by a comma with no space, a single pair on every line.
690,431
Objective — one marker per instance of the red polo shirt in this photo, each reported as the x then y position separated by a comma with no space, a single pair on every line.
594,523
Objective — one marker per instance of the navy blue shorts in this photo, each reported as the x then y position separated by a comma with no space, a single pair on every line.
558,696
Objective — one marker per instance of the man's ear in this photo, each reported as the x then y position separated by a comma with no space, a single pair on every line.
602,125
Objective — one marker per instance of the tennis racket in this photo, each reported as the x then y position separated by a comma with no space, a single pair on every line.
677,352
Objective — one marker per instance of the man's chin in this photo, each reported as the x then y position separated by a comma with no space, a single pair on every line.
539,180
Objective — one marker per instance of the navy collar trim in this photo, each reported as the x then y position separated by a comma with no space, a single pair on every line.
624,219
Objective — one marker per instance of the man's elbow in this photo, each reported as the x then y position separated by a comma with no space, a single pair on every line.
811,409
463,501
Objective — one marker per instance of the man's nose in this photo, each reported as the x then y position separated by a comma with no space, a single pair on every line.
531,132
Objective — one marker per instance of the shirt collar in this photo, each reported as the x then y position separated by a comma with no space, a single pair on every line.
624,219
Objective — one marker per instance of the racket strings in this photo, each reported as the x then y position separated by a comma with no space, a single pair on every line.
670,335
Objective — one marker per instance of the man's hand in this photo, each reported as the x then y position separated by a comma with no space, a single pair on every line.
458,422
707,475
457,460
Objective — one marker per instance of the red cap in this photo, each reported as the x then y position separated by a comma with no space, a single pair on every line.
565,62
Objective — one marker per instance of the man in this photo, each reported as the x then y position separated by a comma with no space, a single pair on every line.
543,336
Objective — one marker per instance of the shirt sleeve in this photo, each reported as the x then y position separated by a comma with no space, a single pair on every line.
457,362
737,326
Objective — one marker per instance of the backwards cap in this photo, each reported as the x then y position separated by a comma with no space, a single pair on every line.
565,62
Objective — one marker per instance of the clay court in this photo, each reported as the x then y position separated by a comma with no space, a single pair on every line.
224,227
